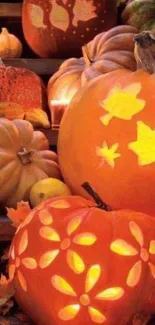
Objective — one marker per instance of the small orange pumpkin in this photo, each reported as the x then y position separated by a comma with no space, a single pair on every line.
25,158
85,264
108,135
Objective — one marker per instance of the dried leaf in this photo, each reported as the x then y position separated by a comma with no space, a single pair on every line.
18,215
59,16
38,117
6,290
6,308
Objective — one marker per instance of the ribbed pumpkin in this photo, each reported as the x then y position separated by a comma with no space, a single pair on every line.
10,45
140,14
56,28
107,135
25,158
73,263
106,52
22,95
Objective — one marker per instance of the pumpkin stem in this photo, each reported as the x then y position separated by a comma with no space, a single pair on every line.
86,56
96,198
145,51
25,156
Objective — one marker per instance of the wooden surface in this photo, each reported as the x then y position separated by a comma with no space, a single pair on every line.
40,66
12,10
6,229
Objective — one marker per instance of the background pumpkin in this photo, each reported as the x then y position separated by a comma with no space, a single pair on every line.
50,35
140,14
106,52
25,159
76,257
10,45
22,95
107,137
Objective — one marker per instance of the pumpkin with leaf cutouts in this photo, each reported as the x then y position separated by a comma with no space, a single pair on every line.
58,28
25,158
107,136
71,271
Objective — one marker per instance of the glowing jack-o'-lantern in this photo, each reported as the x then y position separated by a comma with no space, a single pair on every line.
108,135
71,271
59,28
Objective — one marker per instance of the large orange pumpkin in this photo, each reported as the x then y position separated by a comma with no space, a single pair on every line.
86,265
59,28
108,136
25,158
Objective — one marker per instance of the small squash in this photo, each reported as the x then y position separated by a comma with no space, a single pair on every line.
10,45
108,51
25,158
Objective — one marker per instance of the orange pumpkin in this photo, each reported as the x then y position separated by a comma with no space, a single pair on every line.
25,158
108,51
71,272
56,28
108,135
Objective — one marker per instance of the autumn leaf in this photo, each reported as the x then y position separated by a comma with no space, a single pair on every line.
18,215
59,16
109,154
36,15
6,290
83,10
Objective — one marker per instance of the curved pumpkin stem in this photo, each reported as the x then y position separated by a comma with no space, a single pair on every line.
25,156
145,51
96,198
86,56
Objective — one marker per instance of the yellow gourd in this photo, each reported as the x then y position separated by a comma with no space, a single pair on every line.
10,45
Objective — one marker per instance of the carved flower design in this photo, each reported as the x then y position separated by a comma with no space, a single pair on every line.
121,247
16,255
69,312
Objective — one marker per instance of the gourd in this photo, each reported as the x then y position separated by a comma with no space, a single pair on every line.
107,52
10,45
91,265
25,158
59,29
107,135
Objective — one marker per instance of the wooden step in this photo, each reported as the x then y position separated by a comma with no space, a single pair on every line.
10,10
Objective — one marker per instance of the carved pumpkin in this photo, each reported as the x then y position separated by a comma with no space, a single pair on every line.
107,136
140,14
25,158
59,28
22,95
108,51
10,45
71,272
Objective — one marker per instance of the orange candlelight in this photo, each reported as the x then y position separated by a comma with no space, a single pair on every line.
57,108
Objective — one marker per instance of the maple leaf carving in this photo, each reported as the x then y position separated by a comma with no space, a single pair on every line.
18,215
83,10
108,154
122,103
144,146
36,15
59,16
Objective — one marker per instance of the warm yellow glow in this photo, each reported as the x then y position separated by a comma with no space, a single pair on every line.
29,263
49,233
62,285
58,102
75,262
45,217
22,281
47,258
122,103
136,232
69,312
13,252
85,239
92,277
74,225
152,247
152,269
85,300
121,247
12,269
144,254
23,243
83,11
59,204
36,15
96,315
65,244
144,146
134,274
17,262
111,294
108,154
59,16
